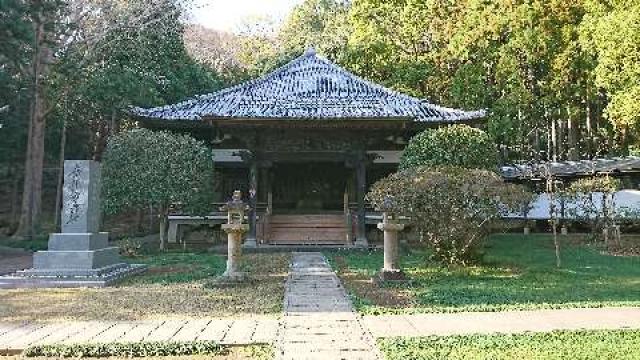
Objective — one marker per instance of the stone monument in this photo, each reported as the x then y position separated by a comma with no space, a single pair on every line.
80,255
391,270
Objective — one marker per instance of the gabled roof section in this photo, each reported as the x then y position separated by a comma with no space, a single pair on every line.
309,87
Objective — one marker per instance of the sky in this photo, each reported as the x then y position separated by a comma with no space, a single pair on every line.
229,15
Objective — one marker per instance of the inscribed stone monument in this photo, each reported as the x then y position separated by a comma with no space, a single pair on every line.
80,255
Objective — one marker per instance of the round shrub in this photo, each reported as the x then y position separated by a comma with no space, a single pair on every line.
455,145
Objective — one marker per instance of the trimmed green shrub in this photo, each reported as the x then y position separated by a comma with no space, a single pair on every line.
453,208
455,145
143,167
141,349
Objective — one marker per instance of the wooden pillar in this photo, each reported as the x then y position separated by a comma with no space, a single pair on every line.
361,190
250,241
268,178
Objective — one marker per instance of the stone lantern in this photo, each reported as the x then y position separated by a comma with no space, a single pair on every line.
235,229
390,227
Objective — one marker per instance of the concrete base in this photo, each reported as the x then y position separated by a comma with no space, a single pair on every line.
71,271
76,259
386,276
250,243
78,241
73,278
361,242
230,279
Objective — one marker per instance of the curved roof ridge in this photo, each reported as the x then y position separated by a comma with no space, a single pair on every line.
260,79
363,80
307,87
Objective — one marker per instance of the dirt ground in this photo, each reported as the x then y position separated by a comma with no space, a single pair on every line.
12,261
148,297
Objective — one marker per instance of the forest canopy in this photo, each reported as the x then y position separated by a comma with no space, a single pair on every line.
560,79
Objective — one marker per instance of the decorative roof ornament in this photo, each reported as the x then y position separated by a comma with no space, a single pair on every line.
312,88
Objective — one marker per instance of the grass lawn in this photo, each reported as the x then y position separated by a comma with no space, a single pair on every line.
176,285
558,345
251,352
519,273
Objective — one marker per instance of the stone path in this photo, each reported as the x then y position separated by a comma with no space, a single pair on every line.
503,322
17,336
319,320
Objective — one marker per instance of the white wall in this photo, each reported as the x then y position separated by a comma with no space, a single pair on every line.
625,203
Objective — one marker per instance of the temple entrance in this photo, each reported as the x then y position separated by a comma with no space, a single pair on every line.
308,188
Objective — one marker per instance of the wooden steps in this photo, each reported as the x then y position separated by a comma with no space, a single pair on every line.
323,229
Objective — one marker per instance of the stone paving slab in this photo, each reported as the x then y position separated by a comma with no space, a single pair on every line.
503,322
191,329
166,331
15,337
319,321
116,332
215,330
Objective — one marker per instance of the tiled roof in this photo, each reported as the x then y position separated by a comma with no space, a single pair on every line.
572,168
309,87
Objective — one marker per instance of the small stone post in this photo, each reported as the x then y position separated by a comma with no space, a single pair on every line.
391,269
235,229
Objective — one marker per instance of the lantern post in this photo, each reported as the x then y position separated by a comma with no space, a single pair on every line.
235,229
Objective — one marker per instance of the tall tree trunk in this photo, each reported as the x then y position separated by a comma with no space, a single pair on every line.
102,133
572,137
63,143
553,142
589,126
32,188
553,213
138,225
163,213
14,196
538,144
560,139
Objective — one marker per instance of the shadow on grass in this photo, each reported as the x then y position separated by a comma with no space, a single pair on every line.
177,267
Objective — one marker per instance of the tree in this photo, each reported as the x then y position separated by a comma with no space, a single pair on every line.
456,145
71,40
45,17
454,208
15,54
554,192
611,31
521,60
122,69
143,167
593,198
322,24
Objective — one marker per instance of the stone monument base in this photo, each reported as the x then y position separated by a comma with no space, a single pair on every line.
386,276
225,280
70,278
